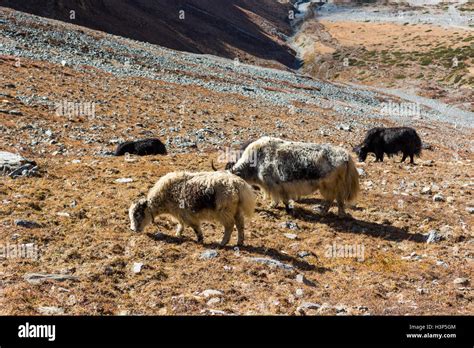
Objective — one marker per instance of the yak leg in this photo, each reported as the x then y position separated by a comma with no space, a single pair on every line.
179,229
411,159
404,157
239,223
324,208
198,231
288,206
340,208
227,233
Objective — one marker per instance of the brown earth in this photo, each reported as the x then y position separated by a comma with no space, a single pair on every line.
94,243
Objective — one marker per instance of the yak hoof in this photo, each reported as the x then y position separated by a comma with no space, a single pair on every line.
342,214
321,210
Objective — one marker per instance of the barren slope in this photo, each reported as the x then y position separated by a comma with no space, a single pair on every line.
200,105
253,31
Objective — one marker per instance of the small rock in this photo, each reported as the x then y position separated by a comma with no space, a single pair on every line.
38,278
211,292
307,307
208,254
461,281
213,301
124,180
300,278
439,198
27,224
299,292
50,310
289,224
361,172
137,267
426,190
303,254
433,236
470,210
216,312
310,305
290,235
63,214
344,127
272,263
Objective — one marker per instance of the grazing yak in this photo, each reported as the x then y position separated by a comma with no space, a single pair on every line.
287,170
391,141
144,147
195,197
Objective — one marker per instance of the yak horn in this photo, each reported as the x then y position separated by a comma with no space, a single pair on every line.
212,165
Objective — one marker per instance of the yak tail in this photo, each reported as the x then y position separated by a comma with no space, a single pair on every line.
246,200
212,165
351,179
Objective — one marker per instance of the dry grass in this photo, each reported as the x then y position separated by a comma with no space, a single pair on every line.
95,245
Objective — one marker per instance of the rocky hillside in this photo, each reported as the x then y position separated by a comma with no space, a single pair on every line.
253,31
69,94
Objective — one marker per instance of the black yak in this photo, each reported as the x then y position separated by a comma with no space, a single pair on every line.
144,147
287,170
390,141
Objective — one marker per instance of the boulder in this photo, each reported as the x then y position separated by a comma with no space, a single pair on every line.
14,165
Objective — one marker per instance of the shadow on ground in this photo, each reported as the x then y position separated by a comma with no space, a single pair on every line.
260,250
352,225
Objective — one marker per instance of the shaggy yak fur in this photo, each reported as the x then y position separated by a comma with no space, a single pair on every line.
143,147
390,141
287,170
195,197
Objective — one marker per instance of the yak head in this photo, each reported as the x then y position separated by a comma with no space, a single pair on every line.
140,215
245,170
361,151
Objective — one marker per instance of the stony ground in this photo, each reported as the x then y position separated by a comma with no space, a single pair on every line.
200,106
